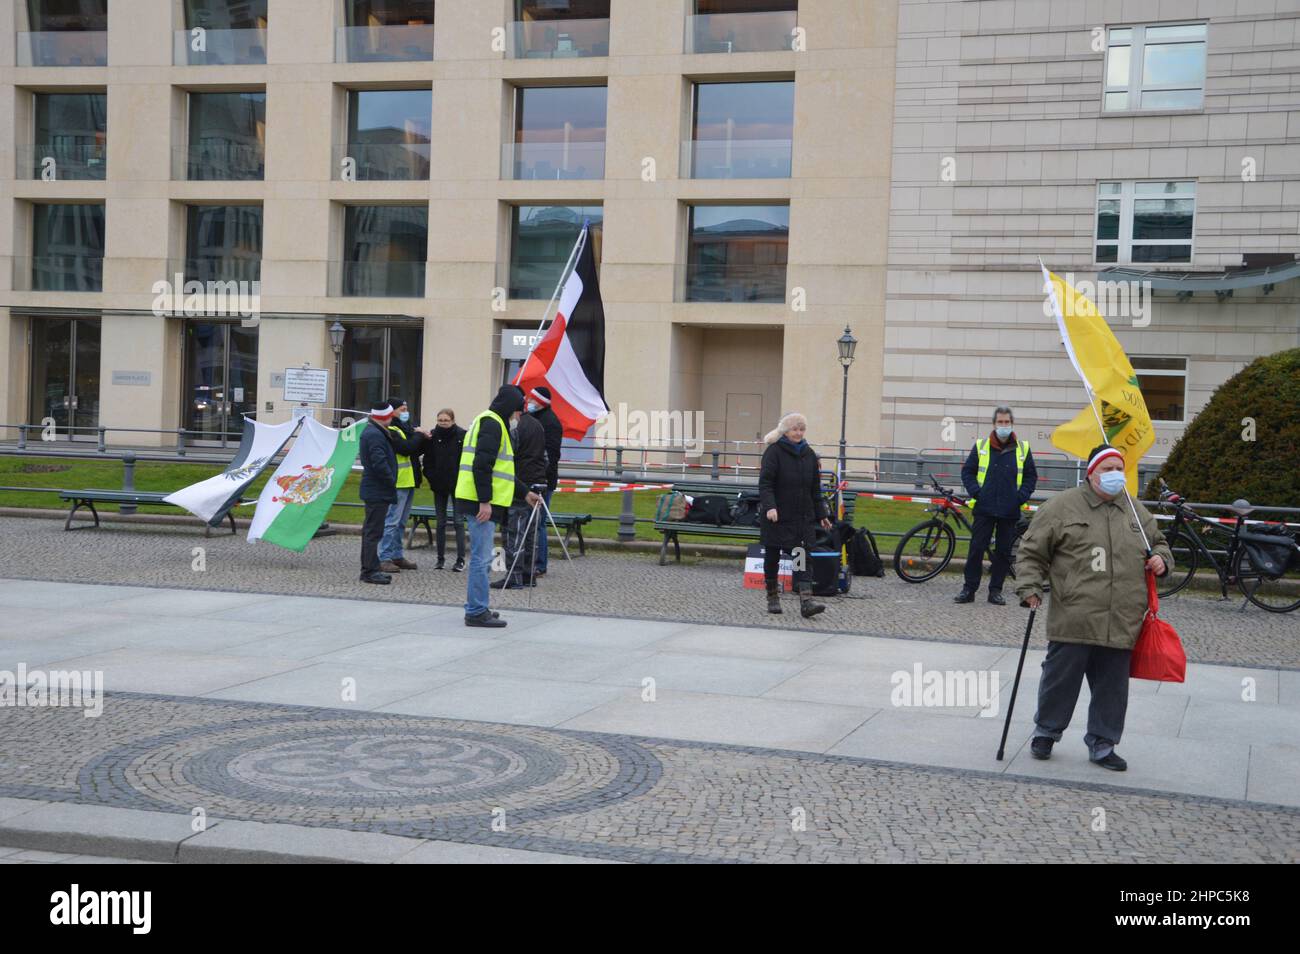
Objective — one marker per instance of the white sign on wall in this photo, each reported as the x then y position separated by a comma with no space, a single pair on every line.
306,385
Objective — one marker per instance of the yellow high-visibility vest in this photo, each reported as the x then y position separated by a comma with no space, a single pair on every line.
405,472
503,468
982,448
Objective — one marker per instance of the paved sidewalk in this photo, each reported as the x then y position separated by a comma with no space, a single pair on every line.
424,727
630,585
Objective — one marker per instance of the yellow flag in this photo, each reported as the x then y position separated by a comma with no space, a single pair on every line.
1109,378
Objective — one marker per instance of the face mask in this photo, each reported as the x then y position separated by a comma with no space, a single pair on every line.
404,416
1113,481
1003,433
533,408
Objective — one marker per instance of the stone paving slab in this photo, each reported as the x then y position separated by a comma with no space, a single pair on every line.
704,591
125,784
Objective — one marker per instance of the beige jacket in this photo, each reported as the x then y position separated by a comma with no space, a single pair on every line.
1091,552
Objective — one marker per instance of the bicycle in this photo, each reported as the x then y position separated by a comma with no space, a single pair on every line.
926,550
1276,593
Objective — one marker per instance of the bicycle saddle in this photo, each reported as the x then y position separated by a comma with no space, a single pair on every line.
1241,507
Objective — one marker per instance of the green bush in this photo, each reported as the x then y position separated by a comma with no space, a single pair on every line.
1215,462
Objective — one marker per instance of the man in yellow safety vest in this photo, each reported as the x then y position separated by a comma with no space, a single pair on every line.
485,488
408,444
1000,477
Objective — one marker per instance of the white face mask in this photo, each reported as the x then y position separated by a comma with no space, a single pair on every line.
1112,482
532,408
1003,433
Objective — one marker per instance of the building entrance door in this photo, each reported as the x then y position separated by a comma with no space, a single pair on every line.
65,376
744,418
220,380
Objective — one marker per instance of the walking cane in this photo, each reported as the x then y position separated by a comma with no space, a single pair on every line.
1015,686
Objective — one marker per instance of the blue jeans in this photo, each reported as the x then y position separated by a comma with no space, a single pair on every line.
544,528
481,539
390,547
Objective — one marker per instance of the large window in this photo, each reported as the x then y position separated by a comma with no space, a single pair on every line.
559,133
737,253
385,31
560,28
227,137
388,134
71,136
1163,382
381,362
1145,221
741,26
742,131
541,240
223,243
219,32
67,248
1155,67
385,248
65,33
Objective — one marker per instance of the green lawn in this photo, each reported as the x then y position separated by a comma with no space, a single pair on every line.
76,473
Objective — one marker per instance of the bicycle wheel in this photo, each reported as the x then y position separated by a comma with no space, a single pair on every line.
924,551
1186,557
1277,594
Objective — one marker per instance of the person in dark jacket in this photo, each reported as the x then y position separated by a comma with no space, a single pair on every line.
486,486
539,406
441,460
1000,477
378,489
790,499
408,443
529,441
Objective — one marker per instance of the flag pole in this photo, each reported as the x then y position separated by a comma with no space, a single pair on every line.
1087,389
564,276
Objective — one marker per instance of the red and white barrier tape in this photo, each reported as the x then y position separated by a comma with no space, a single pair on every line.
603,487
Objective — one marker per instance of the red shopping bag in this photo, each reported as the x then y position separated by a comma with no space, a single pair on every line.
1158,654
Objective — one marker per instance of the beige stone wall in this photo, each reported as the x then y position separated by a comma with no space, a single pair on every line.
838,196
1012,92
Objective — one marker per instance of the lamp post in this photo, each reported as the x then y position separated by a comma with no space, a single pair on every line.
847,345
337,333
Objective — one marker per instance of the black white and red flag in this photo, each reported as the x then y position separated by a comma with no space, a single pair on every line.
570,357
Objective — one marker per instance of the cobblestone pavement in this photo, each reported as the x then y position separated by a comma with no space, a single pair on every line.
598,795
607,584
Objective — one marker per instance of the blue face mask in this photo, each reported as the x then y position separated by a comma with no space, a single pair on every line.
1002,432
404,416
1112,482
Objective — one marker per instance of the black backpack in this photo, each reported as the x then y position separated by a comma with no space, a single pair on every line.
710,508
864,557
745,512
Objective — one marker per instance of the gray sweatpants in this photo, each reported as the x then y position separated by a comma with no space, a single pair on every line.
1064,669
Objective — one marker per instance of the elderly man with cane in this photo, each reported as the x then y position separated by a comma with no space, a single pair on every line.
1094,544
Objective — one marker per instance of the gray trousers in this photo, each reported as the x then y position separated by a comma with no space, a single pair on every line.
521,545
1064,669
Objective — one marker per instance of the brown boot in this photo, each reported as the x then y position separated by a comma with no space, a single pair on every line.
773,596
807,607
405,564
388,566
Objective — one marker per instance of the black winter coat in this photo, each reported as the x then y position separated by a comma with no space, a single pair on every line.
378,465
999,497
442,458
554,440
529,440
789,480
508,400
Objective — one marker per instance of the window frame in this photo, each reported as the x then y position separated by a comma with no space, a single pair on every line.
1136,85
1124,241
1185,374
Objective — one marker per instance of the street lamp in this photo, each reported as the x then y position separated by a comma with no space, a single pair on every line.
847,345
337,333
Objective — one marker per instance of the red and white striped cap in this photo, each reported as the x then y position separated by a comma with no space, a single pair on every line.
1103,454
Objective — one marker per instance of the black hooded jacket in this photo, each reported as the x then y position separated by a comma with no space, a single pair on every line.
442,457
508,400
554,432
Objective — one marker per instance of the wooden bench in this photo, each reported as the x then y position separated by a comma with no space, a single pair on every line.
570,523
88,499
673,529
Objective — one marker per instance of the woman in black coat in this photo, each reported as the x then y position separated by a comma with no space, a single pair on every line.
441,467
791,503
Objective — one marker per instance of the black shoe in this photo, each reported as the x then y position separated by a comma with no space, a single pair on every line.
508,583
383,579
441,564
1041,747
458,566
996,598
965,596
487,619
1112,762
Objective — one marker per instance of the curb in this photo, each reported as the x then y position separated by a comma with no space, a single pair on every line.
74,828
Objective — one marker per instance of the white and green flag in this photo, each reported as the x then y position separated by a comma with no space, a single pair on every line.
211,499
299,494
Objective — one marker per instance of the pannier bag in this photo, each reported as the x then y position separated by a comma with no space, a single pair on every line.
1270,557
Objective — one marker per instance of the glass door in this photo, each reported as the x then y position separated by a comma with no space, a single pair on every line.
65,376
220,380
